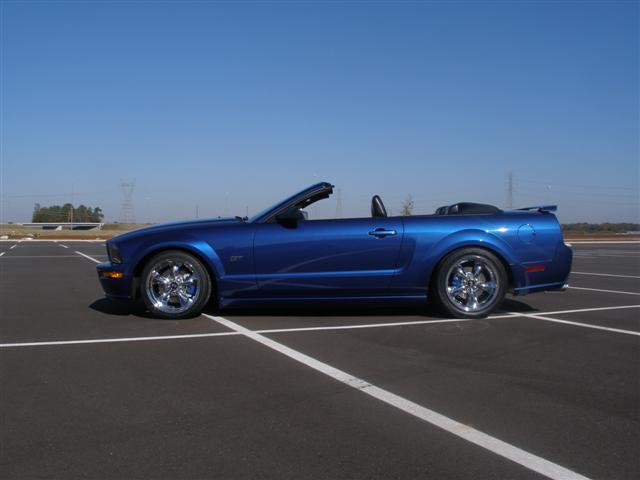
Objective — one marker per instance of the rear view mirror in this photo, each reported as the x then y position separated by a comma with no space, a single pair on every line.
291,217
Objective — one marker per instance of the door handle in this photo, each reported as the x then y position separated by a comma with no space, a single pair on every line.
382,232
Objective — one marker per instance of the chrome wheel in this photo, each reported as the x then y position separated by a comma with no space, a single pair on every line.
173,286
472,283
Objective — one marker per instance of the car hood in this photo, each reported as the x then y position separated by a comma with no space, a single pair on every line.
185,224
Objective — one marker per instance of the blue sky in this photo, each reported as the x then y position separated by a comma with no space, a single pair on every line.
232,105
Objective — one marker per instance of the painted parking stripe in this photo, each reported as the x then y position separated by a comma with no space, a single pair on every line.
367,325
30,240
585,325
506,450
62,245
177,337
604,291
581,310
428,322
611,252
12,257
1,253
591,256
306,329
87,256
13,246
586,242
116,340
605,275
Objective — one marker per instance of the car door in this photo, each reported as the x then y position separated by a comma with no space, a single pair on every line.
339,257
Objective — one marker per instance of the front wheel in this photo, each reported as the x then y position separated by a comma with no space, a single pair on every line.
470,283
175,285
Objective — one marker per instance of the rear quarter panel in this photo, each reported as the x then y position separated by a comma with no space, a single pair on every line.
520,239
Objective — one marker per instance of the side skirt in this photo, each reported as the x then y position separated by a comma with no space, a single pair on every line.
323,301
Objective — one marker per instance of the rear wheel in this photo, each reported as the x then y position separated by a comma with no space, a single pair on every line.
470,283
175,284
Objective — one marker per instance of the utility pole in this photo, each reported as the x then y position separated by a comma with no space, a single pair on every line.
510,191
72,200
339,204
127,213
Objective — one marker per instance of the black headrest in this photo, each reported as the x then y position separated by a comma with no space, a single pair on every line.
467,208
377,207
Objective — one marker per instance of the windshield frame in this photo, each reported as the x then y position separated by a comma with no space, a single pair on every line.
268,214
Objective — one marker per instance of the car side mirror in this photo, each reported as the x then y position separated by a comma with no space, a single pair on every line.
291,217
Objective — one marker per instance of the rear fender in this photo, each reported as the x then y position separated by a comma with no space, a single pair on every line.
474,238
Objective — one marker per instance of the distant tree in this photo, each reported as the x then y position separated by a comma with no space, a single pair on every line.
57,213
406,209
97,215
600,227
81,214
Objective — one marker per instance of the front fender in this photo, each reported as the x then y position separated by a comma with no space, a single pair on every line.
144,248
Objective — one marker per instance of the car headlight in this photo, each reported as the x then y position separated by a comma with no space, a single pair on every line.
114,253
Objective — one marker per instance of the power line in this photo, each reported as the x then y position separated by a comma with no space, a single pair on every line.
62,195
587,194
575,185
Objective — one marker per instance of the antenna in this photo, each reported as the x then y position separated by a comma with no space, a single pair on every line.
127,213
339,204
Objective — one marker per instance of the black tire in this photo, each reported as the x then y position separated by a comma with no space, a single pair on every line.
187,289
455,292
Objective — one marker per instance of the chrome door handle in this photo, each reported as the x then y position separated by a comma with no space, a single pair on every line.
382,232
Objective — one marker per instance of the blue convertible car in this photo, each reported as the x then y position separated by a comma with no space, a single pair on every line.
465,257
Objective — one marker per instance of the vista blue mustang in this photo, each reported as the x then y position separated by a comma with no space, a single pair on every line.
466,256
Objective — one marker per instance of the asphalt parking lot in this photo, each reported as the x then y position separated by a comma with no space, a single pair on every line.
548,387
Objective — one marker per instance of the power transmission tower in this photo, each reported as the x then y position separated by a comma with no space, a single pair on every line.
339,204
127,213
510,191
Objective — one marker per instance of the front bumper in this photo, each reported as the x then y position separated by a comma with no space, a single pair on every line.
116,288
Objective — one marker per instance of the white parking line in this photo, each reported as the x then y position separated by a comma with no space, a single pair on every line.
87,256
585,325
278,330
586,242
592,256
605,275
1,253
13,246
581,310
63,246
12,257
309,329
368,325
604,291
611,252
51,240
115,340
506,450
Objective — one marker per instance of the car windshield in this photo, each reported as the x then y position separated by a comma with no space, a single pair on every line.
264,212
